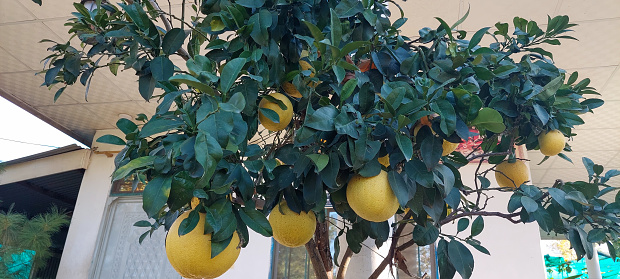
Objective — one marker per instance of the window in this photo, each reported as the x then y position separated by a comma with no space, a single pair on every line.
293,263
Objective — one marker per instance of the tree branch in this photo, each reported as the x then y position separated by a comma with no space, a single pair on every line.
506,216
162,15
387,260
315,259
344,265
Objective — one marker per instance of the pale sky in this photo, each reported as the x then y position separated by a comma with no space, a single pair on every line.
18,125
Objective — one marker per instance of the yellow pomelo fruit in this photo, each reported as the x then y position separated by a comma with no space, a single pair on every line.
551,143
304,65
190,254
448,147
285,115
385,160
372,198
511,174
195,202
291,90
289,228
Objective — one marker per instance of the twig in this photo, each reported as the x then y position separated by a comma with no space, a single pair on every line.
315,258
393,246
162,15
508,217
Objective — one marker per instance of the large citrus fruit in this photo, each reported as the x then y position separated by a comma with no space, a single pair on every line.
291,90
289,228
285,115
511,174
551,143
190,254
372,198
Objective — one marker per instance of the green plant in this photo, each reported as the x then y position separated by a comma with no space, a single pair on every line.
18,233
365,89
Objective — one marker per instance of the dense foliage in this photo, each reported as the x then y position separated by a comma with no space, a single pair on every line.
365,90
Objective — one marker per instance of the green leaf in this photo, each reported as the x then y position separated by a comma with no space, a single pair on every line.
446,27
137,15
461,258
336,26
462,225
425,235
160,125
431,150
462,19
349,8
489,119
189,223
550,88
50,75
173,40
477,226
320,160
578,197
405,145
505,70
596,235
399,187
446,269
256,221
236,104
261,21
529,204
208,153
314,30
448,115
142,224
136,163
560,197
111,139
347,89
191,81
146,86
251,3
475,40
322,119
230,72
156,194
162,68
270,114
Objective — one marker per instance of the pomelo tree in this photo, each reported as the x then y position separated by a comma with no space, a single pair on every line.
302,104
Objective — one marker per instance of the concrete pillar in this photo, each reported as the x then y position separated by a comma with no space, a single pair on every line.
594,267
87,215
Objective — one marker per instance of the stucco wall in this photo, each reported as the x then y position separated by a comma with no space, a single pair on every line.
87,215
515,248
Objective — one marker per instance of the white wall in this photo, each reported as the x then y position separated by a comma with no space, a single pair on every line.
87,215
515,248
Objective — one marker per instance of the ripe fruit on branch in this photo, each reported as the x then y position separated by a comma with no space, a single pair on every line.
289,228
372,198
190,254
511,175
551,142
285,115
304,65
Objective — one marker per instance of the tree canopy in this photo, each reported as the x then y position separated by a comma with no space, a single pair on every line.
359,90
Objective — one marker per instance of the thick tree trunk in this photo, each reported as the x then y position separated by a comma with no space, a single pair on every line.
321,234
346,259
315,259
